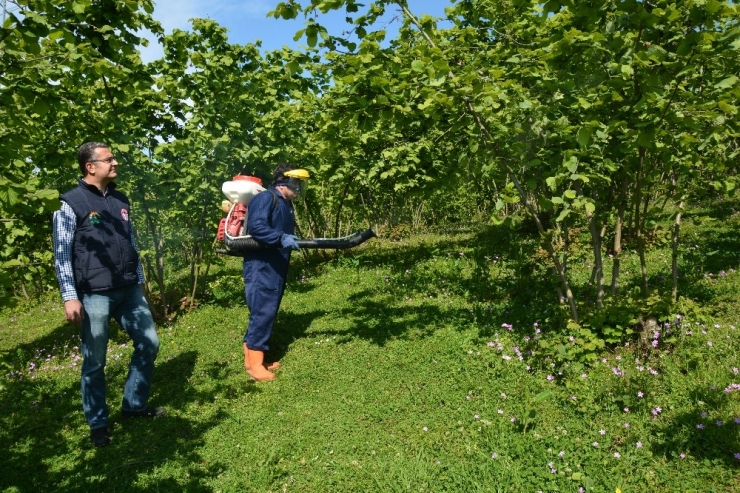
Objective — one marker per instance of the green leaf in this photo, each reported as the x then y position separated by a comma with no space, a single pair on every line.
312,39
418,66
727,108
293,67
728,82
563,214
570,194
572,164
583,102
438,79
584,136
9,196
441,66
646,138
542,396
40,106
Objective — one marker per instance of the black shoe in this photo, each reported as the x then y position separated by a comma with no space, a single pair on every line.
99,437
147,412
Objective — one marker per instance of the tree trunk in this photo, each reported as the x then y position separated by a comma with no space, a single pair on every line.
618,233
23,290
639,222
197,256
593,271
157,240
338,222
674,262
598,261
566,244
209,260
195,286
598,271
157,244
550,249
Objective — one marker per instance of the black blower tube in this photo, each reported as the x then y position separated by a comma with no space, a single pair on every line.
359,237
238,246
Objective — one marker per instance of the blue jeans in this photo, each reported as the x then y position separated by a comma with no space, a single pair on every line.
129,308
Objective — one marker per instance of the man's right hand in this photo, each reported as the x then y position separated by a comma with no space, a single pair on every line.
289,241
74,311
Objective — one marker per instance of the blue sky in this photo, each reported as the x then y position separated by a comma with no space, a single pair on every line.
247,20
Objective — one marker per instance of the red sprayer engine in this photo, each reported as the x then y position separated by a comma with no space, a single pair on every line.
239,191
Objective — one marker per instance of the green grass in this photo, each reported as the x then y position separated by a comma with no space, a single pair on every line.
397,376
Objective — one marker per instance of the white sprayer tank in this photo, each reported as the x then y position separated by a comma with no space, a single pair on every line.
242,188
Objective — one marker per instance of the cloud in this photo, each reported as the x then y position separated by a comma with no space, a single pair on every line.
176,14
247,21
251,9
172,14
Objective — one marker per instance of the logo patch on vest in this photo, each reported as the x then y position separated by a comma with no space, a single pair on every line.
124,214
94,218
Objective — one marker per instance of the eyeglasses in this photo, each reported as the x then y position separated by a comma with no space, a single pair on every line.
107,160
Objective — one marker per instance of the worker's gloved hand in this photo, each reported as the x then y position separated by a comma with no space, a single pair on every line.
289,241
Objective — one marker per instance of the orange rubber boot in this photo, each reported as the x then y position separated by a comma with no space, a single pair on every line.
270,366
257,370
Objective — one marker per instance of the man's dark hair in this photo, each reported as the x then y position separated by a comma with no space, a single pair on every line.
86,152
279,173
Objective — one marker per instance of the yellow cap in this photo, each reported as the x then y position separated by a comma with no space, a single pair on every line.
299,173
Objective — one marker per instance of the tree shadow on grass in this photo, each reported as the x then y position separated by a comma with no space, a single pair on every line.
226,289
717,207
700,437
379,321
401,256
46,441
289,327
709,260
59,342
376,320
495,293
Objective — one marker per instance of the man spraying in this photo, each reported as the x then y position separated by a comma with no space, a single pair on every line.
271,222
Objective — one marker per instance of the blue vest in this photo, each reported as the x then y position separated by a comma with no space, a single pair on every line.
103,257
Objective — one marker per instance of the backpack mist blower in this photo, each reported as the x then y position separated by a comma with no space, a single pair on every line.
232,230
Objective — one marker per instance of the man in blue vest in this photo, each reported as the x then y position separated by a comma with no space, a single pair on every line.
271,222
100,277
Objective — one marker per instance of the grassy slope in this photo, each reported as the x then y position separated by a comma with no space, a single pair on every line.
397,375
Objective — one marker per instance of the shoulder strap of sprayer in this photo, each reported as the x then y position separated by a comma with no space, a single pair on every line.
272,207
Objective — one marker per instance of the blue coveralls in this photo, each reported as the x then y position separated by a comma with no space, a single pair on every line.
265,270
